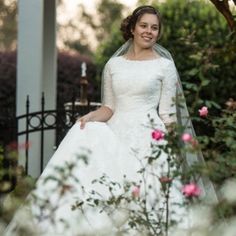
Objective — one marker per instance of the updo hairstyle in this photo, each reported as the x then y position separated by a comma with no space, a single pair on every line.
129,22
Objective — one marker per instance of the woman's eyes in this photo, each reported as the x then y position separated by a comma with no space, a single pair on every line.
143,26
153,28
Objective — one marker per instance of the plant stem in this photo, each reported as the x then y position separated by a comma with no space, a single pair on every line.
167,197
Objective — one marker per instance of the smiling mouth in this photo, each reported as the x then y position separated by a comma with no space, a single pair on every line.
146,38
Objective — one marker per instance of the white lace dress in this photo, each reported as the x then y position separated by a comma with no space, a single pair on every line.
117,148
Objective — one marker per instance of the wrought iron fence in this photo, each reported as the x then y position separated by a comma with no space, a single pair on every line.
59,120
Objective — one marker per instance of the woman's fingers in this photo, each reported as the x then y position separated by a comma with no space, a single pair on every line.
82,121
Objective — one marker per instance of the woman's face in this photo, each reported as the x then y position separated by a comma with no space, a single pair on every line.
146,30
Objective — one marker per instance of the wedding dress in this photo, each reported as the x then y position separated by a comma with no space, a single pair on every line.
136,91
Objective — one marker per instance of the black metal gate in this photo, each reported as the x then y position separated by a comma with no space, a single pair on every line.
60,120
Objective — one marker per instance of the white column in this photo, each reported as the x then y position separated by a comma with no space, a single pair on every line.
49,69
36,69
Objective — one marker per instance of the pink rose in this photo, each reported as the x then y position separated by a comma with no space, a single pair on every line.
22,146
186,137
203,112
191,190
136,191
158,134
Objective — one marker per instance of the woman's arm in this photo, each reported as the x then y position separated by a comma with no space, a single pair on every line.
105,112
102,114
167,103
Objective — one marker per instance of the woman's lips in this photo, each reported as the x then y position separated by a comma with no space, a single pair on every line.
147,38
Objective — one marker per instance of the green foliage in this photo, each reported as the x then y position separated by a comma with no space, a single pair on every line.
8,27
198,38
106,9
7,169
107,48
78,46
12,195
220,147
100,25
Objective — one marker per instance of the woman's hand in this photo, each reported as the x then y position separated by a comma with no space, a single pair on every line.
84,119
102,114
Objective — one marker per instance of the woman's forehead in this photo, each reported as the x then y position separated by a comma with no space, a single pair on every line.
148,17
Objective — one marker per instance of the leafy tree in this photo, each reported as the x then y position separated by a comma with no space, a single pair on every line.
97,23
223,7
106,32
8,27
80,43
106,9
83,49
107,48
197,36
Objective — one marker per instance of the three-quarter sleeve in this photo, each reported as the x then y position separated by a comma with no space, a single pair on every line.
167,103
107,92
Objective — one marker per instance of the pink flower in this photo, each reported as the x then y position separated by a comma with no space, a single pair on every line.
22,146
136,191
203,112
186,137
158,134
191,190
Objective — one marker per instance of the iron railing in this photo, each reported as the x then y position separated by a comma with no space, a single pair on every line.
59,120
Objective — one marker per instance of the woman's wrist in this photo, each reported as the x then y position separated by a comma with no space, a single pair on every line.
90,116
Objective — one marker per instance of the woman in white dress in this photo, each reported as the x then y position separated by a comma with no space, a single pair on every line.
139,84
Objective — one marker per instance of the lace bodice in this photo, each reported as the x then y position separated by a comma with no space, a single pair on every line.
140,87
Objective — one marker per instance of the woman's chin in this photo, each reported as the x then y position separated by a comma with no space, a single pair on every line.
146,44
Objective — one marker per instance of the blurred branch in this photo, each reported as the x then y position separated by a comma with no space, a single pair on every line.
223,7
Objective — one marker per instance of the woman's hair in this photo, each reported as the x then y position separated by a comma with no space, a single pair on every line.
129,22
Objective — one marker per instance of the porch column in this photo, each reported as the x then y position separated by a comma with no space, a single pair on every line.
36,70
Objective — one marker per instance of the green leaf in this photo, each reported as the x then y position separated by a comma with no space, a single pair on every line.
205,82
193,72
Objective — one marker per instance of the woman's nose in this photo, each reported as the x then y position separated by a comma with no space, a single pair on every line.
148,29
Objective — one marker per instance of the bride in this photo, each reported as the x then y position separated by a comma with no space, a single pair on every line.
139,80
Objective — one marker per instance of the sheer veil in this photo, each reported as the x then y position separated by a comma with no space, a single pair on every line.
183,119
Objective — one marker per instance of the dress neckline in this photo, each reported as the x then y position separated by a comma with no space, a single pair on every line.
147,60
